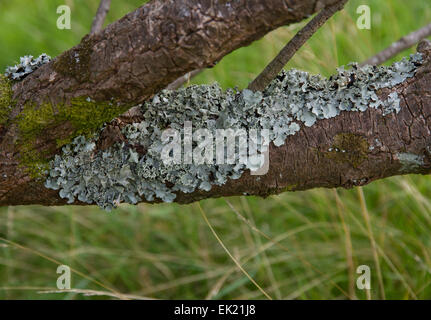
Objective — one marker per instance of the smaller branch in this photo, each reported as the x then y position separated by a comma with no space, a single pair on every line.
276,65
100,16
400,45
183,79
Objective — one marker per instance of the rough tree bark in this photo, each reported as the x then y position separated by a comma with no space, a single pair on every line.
135,57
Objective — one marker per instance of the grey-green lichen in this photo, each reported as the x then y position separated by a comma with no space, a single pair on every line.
27,65
133,171
410,161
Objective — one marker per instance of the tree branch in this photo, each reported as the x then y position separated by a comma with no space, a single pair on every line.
351,149
276,65
119,67
151,47
375,145
100,16
183,79
404,43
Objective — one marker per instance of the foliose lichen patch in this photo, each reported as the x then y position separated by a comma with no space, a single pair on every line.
294,98
27,65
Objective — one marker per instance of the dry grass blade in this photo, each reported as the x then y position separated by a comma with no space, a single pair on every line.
90,293
229,254
16,245
347,245
304,261
367,219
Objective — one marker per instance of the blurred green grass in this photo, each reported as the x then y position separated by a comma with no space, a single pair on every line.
302,245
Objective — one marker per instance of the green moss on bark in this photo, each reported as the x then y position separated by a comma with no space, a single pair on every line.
76,62
6,102
350,148
85,116
80,117
35,162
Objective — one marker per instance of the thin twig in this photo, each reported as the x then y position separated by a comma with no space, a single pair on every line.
100,16
183,79
276,65
404,43
48,258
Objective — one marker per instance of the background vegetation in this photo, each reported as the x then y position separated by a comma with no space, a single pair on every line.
302,245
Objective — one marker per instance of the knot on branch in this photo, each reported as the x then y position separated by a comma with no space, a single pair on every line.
424,47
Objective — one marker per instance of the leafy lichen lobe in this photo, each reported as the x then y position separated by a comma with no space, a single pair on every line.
27,65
